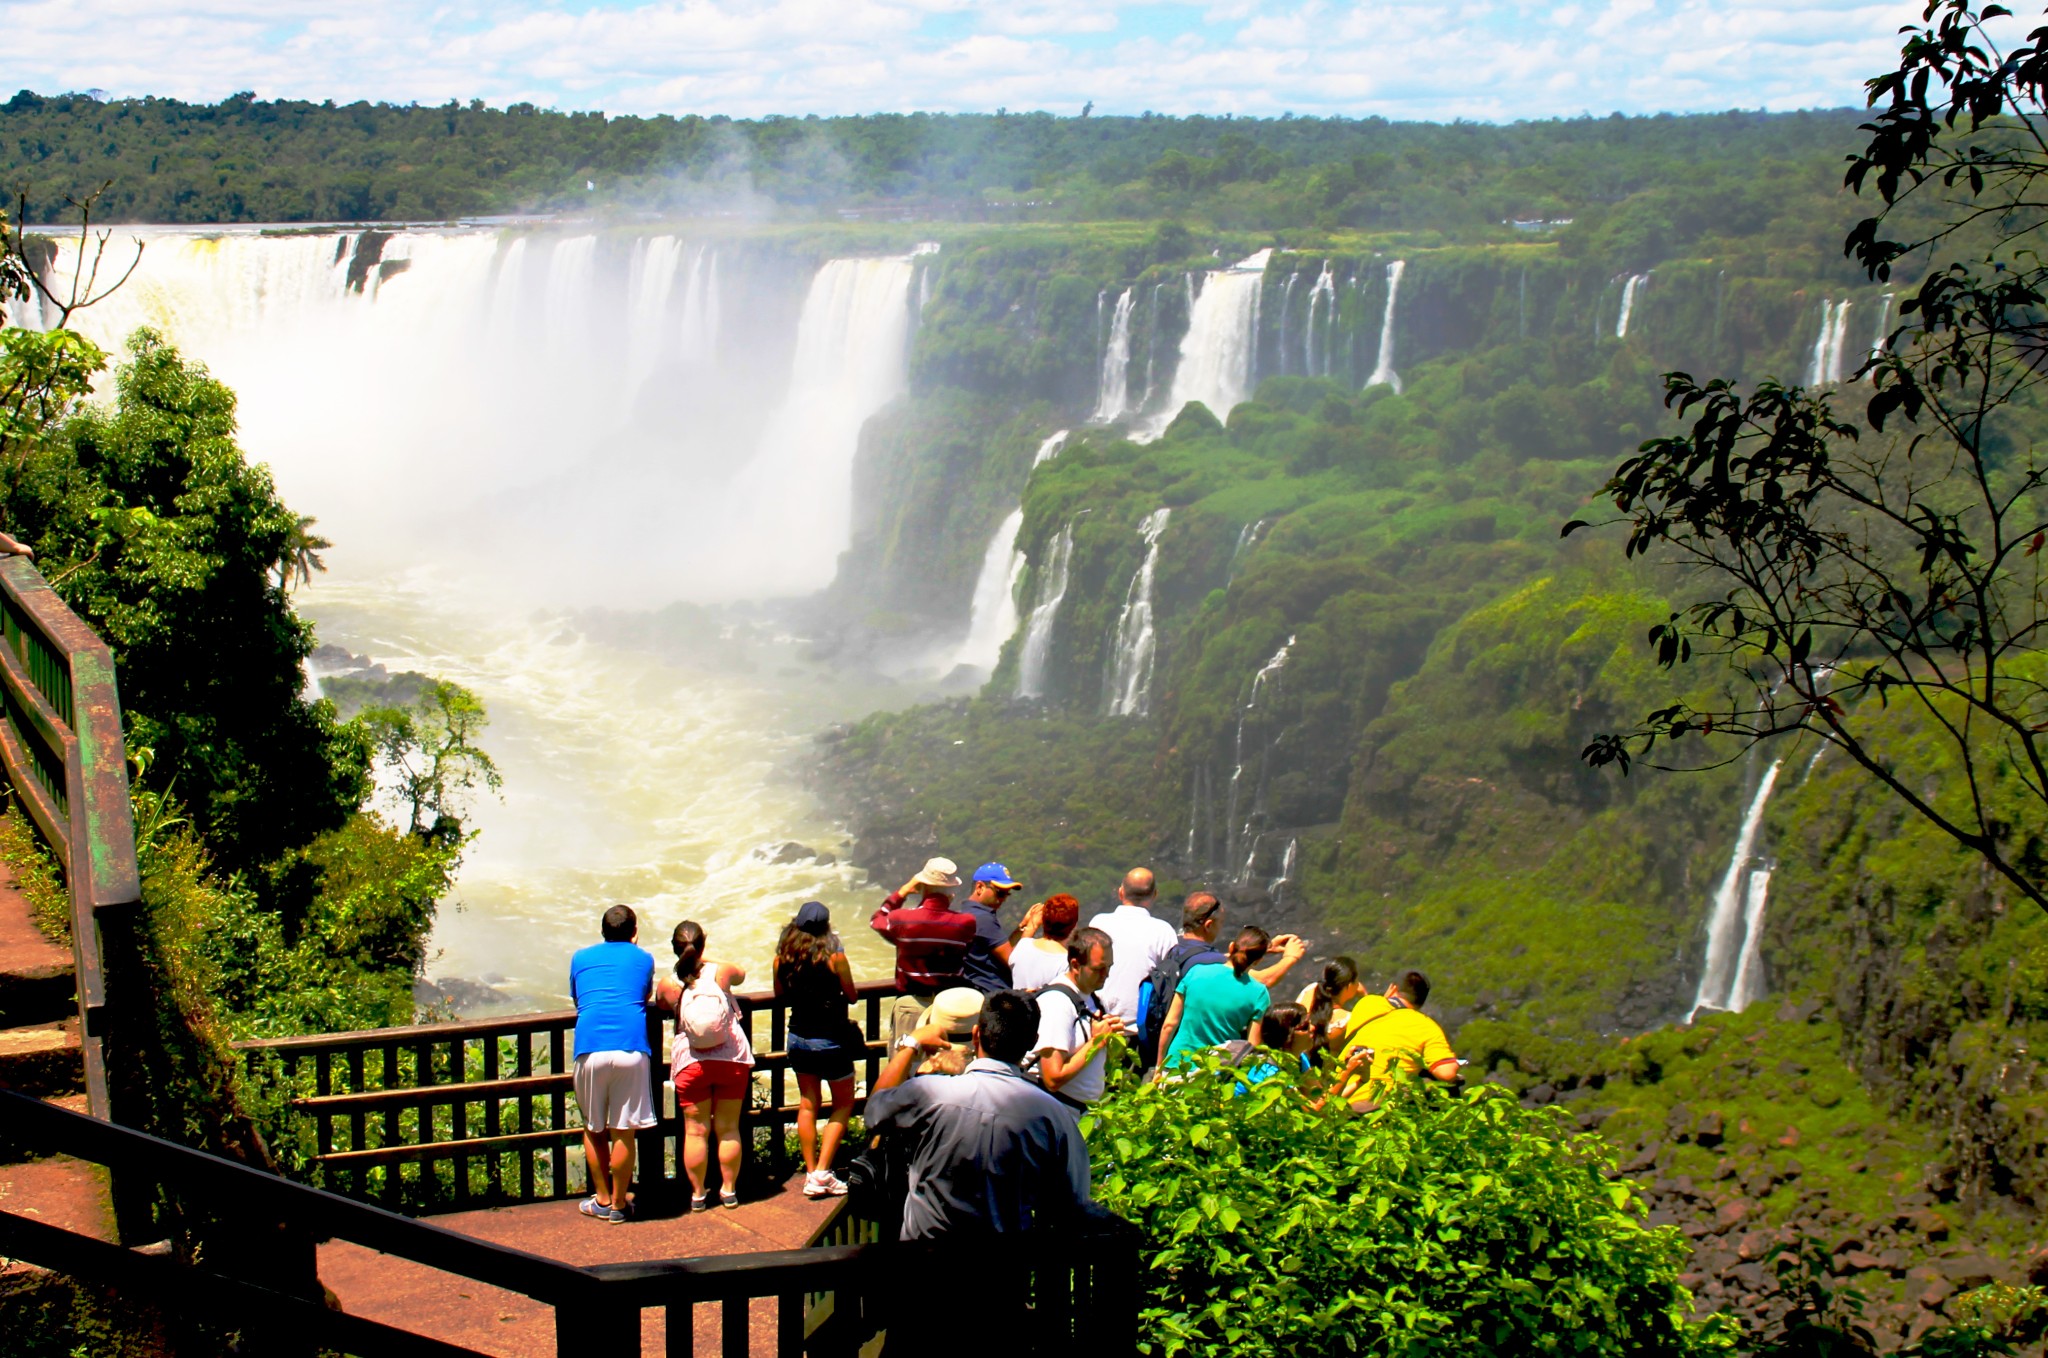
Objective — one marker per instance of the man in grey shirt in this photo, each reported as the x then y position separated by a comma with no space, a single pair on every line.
990,1152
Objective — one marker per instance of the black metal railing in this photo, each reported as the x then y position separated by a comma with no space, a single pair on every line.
1070,1289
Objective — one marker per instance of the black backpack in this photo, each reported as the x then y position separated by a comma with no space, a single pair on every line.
1155,992
1086,1008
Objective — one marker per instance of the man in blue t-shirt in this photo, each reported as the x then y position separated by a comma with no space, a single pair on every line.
611,982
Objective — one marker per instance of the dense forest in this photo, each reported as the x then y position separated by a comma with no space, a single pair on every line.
251,160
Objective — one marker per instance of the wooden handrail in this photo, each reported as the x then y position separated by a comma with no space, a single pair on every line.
53,1129
62,752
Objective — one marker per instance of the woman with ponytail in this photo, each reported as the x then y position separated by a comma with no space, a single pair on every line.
1218,1002
710,1061
1329,1000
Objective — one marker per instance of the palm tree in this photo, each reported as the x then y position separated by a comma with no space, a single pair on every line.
301,554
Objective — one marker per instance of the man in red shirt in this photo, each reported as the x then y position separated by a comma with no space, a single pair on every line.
931,940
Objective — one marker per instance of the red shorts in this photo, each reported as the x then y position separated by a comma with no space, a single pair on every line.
705,1081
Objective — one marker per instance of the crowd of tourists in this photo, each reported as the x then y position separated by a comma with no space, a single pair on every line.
999,1038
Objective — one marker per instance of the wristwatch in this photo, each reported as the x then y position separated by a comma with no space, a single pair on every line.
907,1042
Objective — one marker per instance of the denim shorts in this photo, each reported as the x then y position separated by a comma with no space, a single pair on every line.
826,1058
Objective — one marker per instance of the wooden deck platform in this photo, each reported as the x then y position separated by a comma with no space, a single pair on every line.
427,1301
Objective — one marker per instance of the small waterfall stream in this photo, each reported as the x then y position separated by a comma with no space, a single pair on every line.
1137,639
1049,449
1825,367
1882,338
1730,978
1113,384
994,615
1383,374
1238,833
1052,592
1628,302
1325,292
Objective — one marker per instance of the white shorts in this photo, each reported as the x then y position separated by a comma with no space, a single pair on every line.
613,1091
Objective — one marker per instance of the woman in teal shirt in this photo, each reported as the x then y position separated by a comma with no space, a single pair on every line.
1218,1002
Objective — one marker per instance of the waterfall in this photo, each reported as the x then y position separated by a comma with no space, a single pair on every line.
1113,386
1825,367
1628,302
1728,924
1383,373
1266,674
1247,538
651,278
994,615
1052,591
1137,639
1748,985
851,344
1217,354
1049,449
1286,877
1326,289
1286,309
572,281
1882,338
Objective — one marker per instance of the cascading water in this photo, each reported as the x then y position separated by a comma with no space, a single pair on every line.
1824,368
1286,313
1113,385
1287,865
1324,291
1748,985
1218,353
501,421
1383,374
1235,832
1734,911
1052,592
994,615
1628,303
1137,640
851,346
1882,338
1049,449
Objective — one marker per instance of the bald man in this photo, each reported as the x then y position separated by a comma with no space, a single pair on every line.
1140,939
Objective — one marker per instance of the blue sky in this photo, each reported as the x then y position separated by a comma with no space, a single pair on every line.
1479,59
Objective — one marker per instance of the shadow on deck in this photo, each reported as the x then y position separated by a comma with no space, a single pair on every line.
459,1310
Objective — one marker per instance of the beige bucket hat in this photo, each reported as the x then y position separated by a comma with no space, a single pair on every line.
939,872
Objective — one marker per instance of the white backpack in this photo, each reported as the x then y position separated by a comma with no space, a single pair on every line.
705,1015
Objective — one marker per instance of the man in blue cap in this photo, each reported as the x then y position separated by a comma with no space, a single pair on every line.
987,968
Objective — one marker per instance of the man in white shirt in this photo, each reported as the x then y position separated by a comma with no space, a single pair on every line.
1139,940
1073,1035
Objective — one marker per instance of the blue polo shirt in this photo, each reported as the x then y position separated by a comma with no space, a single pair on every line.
983,969
610,983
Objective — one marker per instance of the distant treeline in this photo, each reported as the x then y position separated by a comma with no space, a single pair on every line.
246,159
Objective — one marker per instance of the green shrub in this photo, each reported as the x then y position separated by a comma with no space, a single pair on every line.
1435,1225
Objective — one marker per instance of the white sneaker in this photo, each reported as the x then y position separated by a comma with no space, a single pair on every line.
823,1183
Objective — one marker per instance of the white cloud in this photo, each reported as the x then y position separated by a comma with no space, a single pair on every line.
1489,59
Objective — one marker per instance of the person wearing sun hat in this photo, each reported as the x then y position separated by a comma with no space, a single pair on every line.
931,940
988,958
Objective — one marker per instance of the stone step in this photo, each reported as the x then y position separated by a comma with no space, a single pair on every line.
35,973
59,1191
42,1059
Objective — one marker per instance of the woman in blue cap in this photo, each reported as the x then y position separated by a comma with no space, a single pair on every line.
813,978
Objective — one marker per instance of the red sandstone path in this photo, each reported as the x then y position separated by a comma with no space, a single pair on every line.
39,1056
507,1324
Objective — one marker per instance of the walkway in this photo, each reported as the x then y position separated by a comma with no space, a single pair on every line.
39,1056
430,1302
